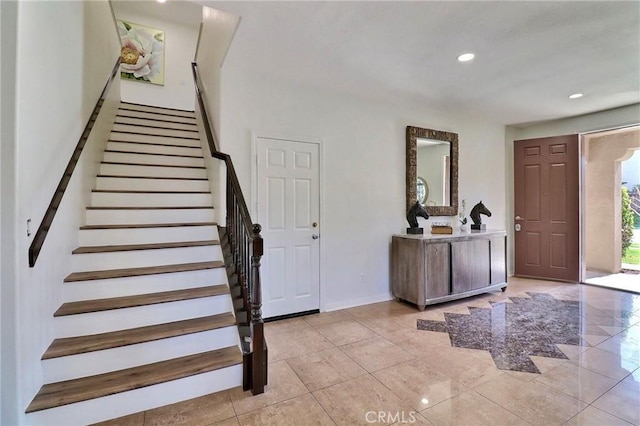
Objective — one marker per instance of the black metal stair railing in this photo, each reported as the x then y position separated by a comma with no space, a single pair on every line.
243,249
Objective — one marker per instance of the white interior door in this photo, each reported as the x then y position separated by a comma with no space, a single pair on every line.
288,194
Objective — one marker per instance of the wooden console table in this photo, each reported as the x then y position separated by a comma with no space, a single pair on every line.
428,269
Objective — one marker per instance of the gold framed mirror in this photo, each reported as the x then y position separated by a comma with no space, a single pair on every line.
432,155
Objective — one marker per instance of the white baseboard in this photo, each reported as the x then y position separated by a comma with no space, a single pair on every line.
343,304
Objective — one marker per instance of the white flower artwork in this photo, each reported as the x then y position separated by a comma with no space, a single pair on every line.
142,53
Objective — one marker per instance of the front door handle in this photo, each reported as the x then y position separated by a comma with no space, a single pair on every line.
315,236
519,218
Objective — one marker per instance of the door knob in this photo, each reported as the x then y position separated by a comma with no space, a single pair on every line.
315,236
519,218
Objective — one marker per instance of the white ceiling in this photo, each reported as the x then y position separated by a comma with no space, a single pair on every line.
179,12
530,56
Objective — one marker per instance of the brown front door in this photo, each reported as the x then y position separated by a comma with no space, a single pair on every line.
547,208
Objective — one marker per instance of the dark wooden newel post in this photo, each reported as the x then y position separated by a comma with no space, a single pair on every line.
257,324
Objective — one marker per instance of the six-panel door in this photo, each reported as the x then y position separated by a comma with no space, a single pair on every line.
288,210
547,208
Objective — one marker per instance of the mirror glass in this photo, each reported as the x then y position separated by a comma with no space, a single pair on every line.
422,191
432,170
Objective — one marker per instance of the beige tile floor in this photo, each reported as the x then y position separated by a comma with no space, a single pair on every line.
370,365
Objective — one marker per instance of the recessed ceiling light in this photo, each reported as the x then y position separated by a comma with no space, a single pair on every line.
466,57
576,96
161,1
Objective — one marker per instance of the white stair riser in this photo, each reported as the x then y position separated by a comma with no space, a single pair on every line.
140,316
98,362
155,171
119,157
133,217
142,184
153,149
129,286
104,361
120,199
158,121
152,116
154,131
85,262
120,136
158,110
122,404
109,237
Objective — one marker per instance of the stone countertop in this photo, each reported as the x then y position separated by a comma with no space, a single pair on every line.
456,236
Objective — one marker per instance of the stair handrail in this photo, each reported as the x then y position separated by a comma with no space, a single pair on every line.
247,248
56,199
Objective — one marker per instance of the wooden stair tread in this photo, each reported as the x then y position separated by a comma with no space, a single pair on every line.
156,144
96,342
154,246
128,132
98,305
188,115
160,154
123,110
136,272
154,127
120,163
150,208
191,122
149,177
76,390
148,225
128,191
156,107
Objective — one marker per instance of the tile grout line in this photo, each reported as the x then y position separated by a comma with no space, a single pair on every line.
323,407
233,405
499,405
601,396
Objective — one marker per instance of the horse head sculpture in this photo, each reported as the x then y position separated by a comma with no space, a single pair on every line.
476,211
413,213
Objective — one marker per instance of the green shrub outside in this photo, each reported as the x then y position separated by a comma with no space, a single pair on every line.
627,221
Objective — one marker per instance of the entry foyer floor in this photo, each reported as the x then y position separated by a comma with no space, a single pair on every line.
372,365
620,281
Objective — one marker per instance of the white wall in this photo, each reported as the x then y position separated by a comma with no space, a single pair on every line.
603,120
180,47
8,321
363,145
218,29
1,281
53,104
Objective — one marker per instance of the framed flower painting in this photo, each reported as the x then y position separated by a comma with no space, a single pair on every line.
142,53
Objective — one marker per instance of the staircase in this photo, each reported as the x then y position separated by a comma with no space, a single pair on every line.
147,318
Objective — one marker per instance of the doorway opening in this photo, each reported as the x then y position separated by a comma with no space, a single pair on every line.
611,162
